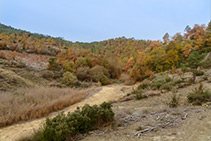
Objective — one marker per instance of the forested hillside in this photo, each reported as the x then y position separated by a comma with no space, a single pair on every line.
120,58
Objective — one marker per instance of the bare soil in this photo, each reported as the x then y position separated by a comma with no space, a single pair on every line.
185,123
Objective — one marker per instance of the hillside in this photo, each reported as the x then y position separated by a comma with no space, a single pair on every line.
134,59
42,75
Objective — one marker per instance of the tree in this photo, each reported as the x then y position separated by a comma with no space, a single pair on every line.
193,62
187,28
166,38
208,35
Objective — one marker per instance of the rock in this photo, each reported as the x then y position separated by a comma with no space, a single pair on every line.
182,85
164,91
152,93
127,98
55,84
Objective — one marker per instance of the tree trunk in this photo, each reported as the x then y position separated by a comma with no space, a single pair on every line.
194,76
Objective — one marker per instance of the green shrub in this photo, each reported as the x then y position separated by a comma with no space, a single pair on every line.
53,64
143,85
168,79
206,64
139,94
113,66
69,66
69,79
80,121
199,95
167,86
100,74
81,62
199,73
179,81
184,67
159,80
174,101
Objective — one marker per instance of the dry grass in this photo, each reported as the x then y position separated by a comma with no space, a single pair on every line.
30,103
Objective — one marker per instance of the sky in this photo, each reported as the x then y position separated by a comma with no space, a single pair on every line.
97,20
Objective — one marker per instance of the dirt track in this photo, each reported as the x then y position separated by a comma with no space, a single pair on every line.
15,132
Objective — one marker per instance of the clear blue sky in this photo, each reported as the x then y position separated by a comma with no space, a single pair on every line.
95,20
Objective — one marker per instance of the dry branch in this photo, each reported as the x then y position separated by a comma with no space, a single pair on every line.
186,115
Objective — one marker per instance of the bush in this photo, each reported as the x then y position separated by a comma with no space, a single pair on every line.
81,62
184,68
160,80
139,94
49,75
53,64
69,79
80,121
143,85
84,84
167,86
174,101
82,74
206,64
69,66
113,66
100,74
199,95
199,73
125,78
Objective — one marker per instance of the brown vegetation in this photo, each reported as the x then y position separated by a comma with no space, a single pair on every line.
26,104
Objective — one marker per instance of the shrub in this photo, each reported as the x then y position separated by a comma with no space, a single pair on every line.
53,64
167,86
125,78
174,101
84,84
199,73
49,75
113,66
184,67
206,64
143,85
199,95
168,79
82,74
69,66
69,79
100,74
81,62
80,121
139,94
160,80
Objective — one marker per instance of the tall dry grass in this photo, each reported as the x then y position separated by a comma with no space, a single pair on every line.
30,103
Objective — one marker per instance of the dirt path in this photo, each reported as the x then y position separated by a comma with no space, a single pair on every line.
107,93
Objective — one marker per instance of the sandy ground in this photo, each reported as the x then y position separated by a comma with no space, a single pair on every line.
17,131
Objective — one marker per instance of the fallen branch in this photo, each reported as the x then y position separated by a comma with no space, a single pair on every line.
158,117
186,115
144,130
102,133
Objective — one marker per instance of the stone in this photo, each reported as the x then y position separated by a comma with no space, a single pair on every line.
152,93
